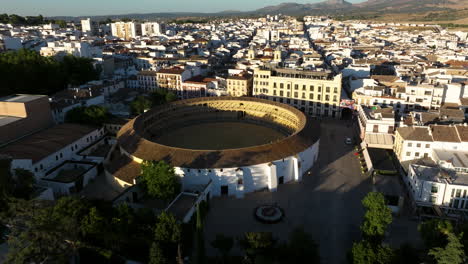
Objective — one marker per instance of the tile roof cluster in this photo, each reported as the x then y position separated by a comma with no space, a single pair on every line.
441,133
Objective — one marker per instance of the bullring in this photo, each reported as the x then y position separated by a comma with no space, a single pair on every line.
239,144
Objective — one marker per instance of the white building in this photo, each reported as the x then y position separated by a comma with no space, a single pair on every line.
377,125
43,152
419,142
440,184
152,29
126,30
89,27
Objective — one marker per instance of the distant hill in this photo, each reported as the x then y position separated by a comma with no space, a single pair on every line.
369,8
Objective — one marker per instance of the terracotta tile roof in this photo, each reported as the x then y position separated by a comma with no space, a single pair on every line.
414,133
46,142
444,133
172,71
130,139
463,133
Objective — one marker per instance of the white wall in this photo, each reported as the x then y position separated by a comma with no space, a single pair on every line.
255,177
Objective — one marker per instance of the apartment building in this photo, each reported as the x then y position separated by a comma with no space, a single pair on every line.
415,142
89,27
147,80
240,84
317,93
377,125
126,30
152,29
442,183
171,79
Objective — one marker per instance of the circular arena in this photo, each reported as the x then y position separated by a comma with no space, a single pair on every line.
236,144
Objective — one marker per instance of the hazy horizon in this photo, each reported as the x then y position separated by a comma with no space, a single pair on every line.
118,7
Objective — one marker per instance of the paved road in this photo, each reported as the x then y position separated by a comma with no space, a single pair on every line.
326,203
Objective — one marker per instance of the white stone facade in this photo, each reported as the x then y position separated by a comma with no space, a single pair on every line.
242,180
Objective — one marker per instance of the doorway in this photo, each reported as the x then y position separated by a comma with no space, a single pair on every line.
281,180
224,190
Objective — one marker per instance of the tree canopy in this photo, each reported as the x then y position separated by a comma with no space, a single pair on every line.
159,180
167,236
91,115
26,71
58,231
377,217
139,105
452,253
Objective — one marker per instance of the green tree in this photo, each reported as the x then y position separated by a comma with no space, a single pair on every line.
377,217
170,97
159,180
90,115
257,244
140,105
94,223
167,236
40,232
223,244
167,230
157,255
364,252
301,246
26,71
452,253
161,96
433,232
24,184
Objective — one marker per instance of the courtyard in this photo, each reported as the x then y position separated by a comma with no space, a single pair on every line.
327,203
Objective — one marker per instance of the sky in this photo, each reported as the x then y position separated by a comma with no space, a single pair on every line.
115,7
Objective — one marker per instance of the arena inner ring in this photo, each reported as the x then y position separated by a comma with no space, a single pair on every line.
240,144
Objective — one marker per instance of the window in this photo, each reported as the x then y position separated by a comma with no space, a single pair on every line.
311,96
295,94
408,154
410,144
318,97
56,157
335,90
319,89
327,89
304,87
274,85
327,97
418,145
281,93
311,88
416,154
458,193
434,189
433,199
281,85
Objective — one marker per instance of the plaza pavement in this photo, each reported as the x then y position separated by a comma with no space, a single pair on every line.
327,203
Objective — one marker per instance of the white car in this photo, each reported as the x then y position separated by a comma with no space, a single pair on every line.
348,141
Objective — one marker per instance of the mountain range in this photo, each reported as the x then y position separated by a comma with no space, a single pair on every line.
328,7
